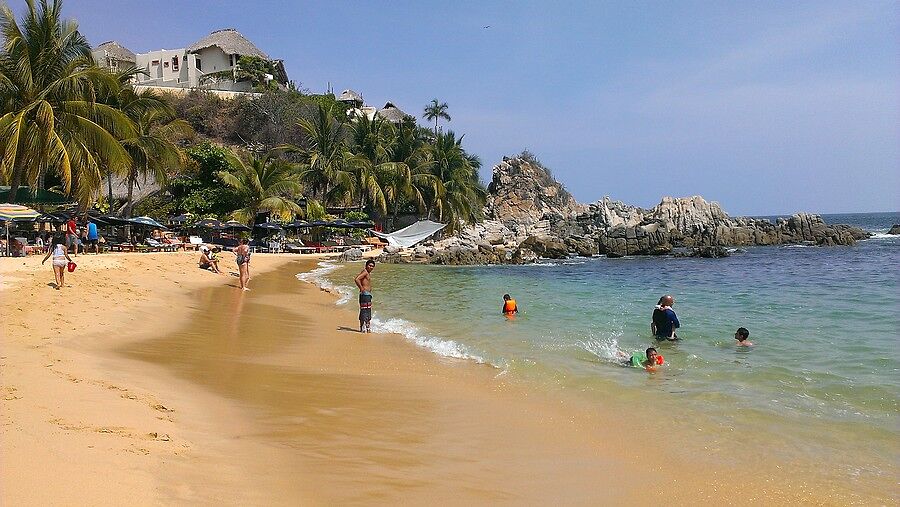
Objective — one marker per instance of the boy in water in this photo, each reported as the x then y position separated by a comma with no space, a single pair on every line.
741,336
647,359
509,308
664,321
364,283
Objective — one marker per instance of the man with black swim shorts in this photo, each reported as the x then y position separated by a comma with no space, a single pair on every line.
364,283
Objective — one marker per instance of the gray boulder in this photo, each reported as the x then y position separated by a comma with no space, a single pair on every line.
895,230
354,254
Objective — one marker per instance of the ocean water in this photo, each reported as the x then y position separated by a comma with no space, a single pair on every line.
820,389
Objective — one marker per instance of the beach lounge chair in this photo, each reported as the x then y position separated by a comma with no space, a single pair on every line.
159,246
297,247
376,242
193,243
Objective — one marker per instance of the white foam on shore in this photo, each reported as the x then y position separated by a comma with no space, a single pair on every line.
319,277
441,347
882,235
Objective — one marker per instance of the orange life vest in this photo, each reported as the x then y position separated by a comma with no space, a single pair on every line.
509,306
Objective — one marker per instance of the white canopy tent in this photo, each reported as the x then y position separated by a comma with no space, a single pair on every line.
410,236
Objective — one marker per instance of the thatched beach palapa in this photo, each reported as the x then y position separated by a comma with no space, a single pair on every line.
351,97
230,41
117,51
392,113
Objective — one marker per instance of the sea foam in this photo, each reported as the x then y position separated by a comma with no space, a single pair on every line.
319,276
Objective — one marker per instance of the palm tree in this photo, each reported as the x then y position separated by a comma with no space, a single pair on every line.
265,183
370,138
407,177
434,112
463,194
51,121
153,150
323,169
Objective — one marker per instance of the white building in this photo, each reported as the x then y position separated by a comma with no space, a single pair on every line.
210,63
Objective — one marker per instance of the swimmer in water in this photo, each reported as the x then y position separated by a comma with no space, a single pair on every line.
649,359
510,308
741,336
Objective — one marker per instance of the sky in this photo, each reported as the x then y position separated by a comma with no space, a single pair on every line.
765,107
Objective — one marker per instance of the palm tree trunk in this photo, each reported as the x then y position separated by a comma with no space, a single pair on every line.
128,202
109,187
14,186
394,215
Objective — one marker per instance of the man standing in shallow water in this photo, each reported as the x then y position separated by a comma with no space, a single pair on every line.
364,283
665,322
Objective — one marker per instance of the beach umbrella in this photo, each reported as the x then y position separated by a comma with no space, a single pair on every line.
235,226
209,223
114,220
179,219
297,224
268,226
147,222
362,225
339,224
319,223
15,213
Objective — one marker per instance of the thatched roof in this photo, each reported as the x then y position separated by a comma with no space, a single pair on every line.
392,113
350,96
230,41
116,50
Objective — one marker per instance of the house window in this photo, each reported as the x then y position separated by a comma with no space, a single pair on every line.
166,64
199,67
175,63
154,62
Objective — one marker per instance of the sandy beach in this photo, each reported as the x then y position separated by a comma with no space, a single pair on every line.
149,381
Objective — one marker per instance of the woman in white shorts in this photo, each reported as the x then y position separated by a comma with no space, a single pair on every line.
61,260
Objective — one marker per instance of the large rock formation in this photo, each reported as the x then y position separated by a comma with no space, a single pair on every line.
529,215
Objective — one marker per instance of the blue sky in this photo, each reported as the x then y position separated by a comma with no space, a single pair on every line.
766,107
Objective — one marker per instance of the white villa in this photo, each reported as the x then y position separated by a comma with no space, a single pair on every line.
191,67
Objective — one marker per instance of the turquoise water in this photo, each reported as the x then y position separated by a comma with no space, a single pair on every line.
820,386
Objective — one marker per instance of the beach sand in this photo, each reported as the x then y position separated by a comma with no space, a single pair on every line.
149,381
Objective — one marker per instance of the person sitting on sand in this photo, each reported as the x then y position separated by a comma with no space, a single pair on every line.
61,260
364,283
741,336
209,259
242,258
649,359
509,306
665,322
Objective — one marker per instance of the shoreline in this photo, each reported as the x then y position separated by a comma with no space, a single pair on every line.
315,412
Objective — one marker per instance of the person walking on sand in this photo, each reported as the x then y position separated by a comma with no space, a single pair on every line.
665,322
364,283
72,235
242,254
61,260
93,238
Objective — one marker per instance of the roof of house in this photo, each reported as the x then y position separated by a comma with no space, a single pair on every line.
392,113
230,41
116,50
350,96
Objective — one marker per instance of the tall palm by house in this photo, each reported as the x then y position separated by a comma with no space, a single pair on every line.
435,111
153,149
264,183
51,122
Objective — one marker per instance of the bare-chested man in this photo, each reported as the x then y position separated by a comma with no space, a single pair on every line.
364,282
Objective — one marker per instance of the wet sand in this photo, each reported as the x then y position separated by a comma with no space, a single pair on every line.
190,391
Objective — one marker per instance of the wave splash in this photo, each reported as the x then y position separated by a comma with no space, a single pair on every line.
441,347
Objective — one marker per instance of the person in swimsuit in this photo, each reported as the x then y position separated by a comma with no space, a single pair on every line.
242,254
741,336
364,283
61,260
509,308
647,360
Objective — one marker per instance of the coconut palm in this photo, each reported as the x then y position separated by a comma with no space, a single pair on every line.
264,183
370,140
435,111
463,194
51,121
324,167
407,178
153,150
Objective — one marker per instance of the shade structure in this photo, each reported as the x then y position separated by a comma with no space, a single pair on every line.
235,225
409,236
268,226
114,220
339,224
297,224
57,218
41,196
209,223
178,219
362,225
319,223
17,212
147,222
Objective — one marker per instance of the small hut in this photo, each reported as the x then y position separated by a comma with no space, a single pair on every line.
351,98
393,114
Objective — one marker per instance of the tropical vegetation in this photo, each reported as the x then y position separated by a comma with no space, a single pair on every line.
69,125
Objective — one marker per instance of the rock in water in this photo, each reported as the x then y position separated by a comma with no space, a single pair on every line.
351,255
895,229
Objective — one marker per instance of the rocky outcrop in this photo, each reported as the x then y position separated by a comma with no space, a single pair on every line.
895,229
530,215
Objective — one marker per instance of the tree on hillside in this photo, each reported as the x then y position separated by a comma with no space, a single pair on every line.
264,183
435,112
51,122
408,179
324,163
153,149
463,194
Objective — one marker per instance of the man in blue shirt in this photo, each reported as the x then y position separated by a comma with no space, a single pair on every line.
665,322
92,236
